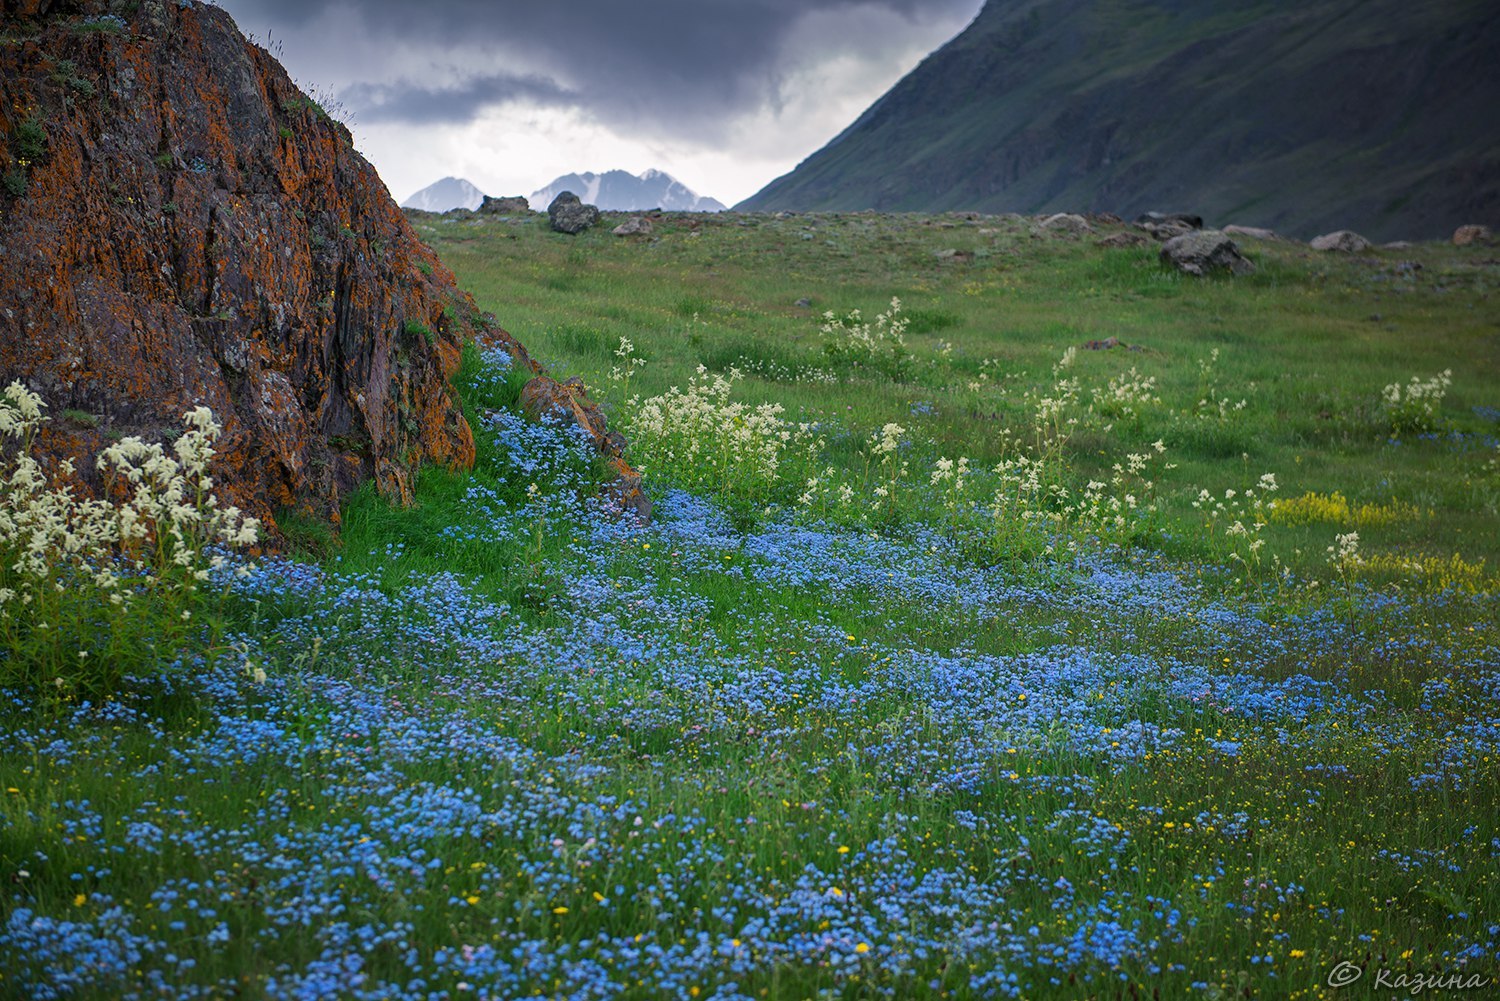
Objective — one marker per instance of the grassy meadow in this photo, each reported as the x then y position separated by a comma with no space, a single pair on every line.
958,659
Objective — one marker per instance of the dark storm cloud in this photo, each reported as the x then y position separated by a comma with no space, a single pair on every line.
677,64
378,102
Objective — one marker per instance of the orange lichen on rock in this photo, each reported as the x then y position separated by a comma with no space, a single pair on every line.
198,231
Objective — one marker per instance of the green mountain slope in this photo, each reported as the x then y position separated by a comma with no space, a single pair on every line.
1378,115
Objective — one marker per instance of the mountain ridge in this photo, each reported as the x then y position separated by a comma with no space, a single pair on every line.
621,191
1336,113
445,194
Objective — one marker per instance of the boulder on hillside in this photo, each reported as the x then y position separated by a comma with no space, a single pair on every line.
1204,252
508,205
1187,219
1254,232
1065,222
1344,241
1466,236
1163,226
568,214
634,226
544,398
1123,240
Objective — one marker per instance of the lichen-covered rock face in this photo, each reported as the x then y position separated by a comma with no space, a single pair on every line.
180,225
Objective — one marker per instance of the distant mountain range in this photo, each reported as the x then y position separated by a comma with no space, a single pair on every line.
1303,117
449,193
618,191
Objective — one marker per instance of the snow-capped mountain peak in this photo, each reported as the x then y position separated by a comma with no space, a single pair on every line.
620,191
449,193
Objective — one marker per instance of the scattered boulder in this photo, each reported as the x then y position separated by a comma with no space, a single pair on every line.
951,255
1166,225
1254,232
1066,222
635,226
803,303
568,214
1344,241
1123,240
508,205
544,398
1187,219
1466,236
1202,252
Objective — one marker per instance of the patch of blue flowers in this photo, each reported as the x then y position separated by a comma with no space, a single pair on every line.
435,797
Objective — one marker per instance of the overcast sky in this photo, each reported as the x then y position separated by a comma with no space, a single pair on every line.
725,95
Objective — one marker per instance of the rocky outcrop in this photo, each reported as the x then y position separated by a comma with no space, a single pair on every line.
1188,219
1254,232
509,205
1065,223
544,398
568,214
1204,252
196,230
1343,241
1122,240
634,226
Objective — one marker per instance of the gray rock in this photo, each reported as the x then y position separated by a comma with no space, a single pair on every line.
1166,230
1202,252
568,214
636,226
1344,241
1066,222
1122,240
1253,232
1183,219
511,205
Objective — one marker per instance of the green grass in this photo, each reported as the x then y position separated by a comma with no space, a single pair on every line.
674,734
1307,342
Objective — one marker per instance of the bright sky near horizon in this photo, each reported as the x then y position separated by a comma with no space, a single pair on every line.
725,95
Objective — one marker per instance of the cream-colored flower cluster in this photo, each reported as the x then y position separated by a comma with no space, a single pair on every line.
1126,394
1238,518
708,439
162,526
1415,406
853,338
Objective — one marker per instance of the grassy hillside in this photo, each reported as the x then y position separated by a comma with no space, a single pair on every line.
1325,116
905,692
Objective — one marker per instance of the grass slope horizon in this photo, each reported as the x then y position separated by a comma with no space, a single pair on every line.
959,661
1333,115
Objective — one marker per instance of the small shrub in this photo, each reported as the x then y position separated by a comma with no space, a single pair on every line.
416,328
29,142
14,182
